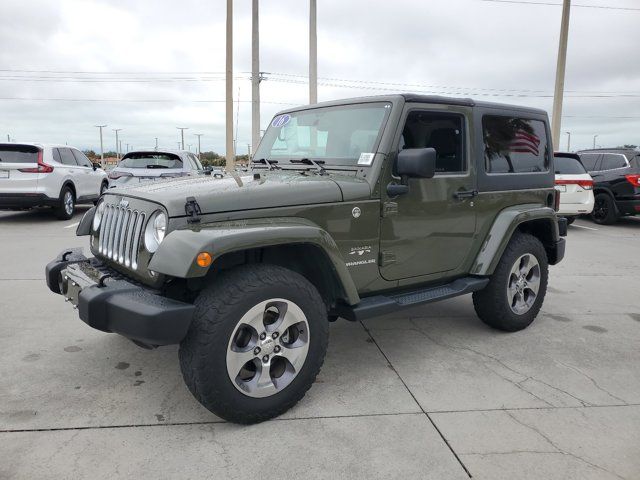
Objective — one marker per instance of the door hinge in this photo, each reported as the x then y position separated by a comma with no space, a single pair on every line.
192,209
389,208
387,258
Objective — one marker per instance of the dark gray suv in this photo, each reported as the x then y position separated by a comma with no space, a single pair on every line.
616,178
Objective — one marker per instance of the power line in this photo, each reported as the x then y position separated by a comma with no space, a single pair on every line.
603,7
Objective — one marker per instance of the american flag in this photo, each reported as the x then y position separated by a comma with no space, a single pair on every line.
524,142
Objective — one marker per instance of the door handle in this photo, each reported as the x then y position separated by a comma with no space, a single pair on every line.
462,194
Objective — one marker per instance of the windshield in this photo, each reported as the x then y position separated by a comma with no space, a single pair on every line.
151,160
341,135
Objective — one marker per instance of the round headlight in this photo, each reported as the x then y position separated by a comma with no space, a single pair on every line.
155,231
97,217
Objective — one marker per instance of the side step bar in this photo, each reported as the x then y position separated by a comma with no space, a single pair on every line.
382,304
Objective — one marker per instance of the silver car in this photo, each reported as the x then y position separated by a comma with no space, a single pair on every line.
151,165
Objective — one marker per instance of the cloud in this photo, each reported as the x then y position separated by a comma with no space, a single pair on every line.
489,51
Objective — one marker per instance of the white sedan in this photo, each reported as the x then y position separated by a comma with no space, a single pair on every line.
575,186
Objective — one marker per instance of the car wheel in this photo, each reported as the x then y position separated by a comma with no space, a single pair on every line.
514,295
66,204
604,210
570,220
256,343
103,188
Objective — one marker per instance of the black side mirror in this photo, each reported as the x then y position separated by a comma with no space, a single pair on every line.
95,166
413,163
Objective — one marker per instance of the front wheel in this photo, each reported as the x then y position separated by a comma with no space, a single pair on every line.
256,343
514,295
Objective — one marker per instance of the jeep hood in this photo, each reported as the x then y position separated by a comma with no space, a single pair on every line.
249,191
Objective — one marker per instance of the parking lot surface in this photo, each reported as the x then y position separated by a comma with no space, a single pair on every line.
430,393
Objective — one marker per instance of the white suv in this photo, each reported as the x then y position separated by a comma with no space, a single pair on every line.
575,186
35,174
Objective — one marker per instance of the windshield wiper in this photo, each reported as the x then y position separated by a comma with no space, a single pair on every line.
316,163
157,166
271,164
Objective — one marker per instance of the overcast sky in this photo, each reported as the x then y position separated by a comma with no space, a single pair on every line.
148,66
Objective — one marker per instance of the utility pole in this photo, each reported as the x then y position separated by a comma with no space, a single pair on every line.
156,144
8,138
182,129
229,155
117,144
560,69
127,148
594,140
313,53
101,145
199,150
255,76
189,145
568,141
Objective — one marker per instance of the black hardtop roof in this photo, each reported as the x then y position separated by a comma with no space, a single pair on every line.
417,98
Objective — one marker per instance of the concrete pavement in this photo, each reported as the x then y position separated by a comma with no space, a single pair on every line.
432,393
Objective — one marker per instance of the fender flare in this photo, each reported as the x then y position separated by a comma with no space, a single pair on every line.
177,254
505,224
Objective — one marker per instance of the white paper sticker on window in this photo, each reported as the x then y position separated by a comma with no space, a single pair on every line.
366,159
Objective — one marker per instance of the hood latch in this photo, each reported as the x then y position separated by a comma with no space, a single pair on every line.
192,209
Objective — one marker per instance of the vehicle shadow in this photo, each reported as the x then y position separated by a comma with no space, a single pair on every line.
37,215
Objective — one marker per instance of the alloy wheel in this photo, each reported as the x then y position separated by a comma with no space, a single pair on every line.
68,202
268,348
523,284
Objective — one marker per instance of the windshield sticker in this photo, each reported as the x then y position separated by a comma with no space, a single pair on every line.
366,159
281,121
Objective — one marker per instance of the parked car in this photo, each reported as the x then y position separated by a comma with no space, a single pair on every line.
575,186
353,208
151,165
616,177
58,176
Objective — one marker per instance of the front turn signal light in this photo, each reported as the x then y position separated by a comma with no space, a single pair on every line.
204,259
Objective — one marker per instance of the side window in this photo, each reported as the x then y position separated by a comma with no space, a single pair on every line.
515,145
81,158
440,131
67,157
590,161
611,161
56,155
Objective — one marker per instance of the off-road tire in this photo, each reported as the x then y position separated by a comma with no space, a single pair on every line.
60,210
218,309
491,303
604,210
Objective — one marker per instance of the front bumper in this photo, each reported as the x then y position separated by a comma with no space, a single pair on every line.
109,302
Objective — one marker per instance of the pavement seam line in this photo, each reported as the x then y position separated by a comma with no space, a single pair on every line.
212,422
460,462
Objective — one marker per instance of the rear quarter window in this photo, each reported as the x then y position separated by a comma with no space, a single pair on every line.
514,145
18,154
590,160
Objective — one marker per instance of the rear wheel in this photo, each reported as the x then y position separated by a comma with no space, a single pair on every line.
256,343
604,210
570,220
517,287
66,204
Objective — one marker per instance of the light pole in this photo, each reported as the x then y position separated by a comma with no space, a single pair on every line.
156,144
594,140
229,154
560,69
101,145
199,150
127,148
568,141
255,76
120,145
182,129
313,53
117,144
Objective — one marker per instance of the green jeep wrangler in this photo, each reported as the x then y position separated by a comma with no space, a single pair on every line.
353,208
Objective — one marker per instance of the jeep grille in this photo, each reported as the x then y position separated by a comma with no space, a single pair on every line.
120,235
